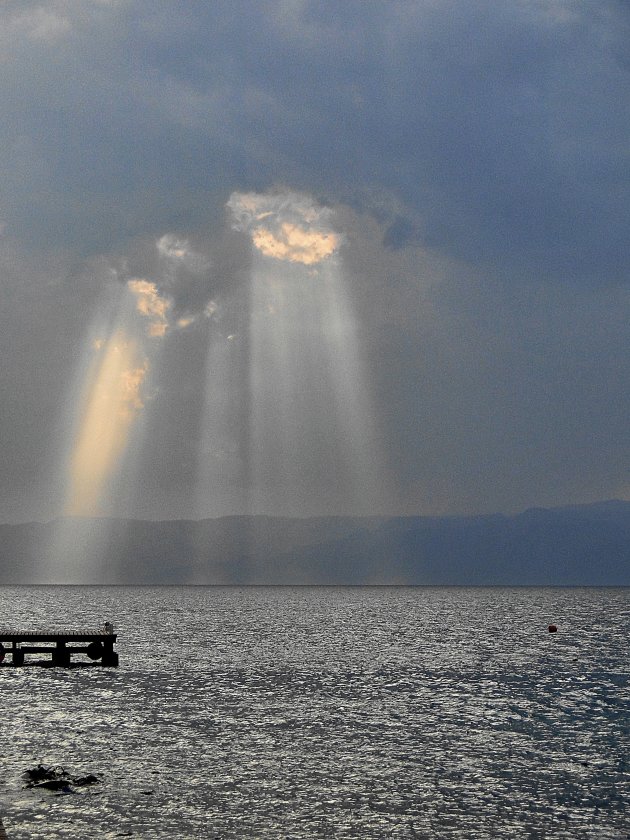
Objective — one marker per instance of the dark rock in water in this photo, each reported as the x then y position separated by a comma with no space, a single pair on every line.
52,784
81,781
56,778
36,774
39,775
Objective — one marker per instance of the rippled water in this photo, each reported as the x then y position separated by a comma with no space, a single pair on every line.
326,712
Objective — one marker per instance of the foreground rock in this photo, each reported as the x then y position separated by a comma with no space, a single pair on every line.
55,778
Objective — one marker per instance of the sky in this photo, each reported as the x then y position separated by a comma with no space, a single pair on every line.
306,258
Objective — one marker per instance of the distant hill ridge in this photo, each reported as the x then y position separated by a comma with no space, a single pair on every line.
579,545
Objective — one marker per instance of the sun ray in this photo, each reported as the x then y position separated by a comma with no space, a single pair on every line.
312,441
113,401
104,424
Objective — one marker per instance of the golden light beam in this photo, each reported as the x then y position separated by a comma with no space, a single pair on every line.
112,402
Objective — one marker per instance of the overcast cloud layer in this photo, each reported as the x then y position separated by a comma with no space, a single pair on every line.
471,161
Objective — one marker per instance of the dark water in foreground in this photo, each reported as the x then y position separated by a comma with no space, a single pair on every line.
326,712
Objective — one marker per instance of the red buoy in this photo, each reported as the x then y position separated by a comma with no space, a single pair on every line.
553,628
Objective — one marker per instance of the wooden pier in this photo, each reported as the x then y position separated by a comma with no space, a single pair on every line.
97,645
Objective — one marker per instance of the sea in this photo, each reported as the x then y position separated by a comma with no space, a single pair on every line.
324,712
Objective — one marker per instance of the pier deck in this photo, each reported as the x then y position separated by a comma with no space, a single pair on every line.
61,645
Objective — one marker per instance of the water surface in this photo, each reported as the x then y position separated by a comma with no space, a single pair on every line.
271,712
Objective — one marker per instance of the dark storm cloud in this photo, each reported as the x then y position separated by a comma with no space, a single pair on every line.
190,270
503,125
494,402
